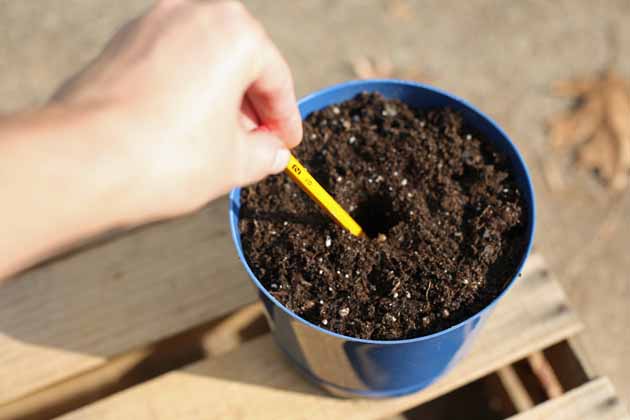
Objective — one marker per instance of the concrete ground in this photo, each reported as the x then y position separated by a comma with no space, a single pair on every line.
500,55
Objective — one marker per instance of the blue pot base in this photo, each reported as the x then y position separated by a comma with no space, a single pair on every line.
343,392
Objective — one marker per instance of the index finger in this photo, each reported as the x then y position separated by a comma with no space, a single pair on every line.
272,95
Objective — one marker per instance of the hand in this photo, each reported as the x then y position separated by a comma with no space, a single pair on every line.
183,90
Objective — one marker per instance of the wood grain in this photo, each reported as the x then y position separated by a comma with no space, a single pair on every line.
595,400
62,319
255,381
211,339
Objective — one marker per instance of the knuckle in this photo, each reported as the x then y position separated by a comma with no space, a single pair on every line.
253,38
236,17
233,10
248,37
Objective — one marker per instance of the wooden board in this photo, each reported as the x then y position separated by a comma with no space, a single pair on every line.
255,381
594,400
64,318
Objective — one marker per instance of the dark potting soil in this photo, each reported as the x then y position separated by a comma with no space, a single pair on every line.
445,222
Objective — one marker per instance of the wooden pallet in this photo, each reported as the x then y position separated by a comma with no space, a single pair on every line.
160,323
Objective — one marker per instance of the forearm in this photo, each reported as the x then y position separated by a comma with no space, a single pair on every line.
158,124
56,186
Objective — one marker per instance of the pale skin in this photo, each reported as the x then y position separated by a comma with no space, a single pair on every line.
167,118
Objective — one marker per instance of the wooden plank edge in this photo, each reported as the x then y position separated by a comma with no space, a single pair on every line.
577,347
211,339
376,408
569,363
506,361
532,381
515,389
545,374
594,400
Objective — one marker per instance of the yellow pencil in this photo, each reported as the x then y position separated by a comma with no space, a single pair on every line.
305,180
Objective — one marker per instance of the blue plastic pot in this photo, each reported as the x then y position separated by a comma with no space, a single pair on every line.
368,368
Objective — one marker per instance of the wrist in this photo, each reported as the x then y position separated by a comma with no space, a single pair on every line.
88,163
62,181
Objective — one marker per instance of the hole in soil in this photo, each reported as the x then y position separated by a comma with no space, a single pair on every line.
376,215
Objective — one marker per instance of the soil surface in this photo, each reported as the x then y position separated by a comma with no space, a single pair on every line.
445,222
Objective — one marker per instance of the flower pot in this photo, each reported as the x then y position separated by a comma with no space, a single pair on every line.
350,366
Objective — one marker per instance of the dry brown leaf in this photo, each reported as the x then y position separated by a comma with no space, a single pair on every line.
399,9
575,87
598,130
416,75
597,153
382,68
366,68
618,119
575,128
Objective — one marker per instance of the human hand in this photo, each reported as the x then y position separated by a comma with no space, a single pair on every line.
182,91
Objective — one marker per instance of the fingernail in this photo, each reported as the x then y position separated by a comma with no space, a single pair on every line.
281,161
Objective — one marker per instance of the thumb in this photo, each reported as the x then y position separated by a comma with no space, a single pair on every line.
262,154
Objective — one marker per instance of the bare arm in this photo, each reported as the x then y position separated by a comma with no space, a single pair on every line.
56,186
162,122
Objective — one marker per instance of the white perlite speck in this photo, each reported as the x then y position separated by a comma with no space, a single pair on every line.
344,311
325,321
352,139
390,317
403,182
328,242
336,110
